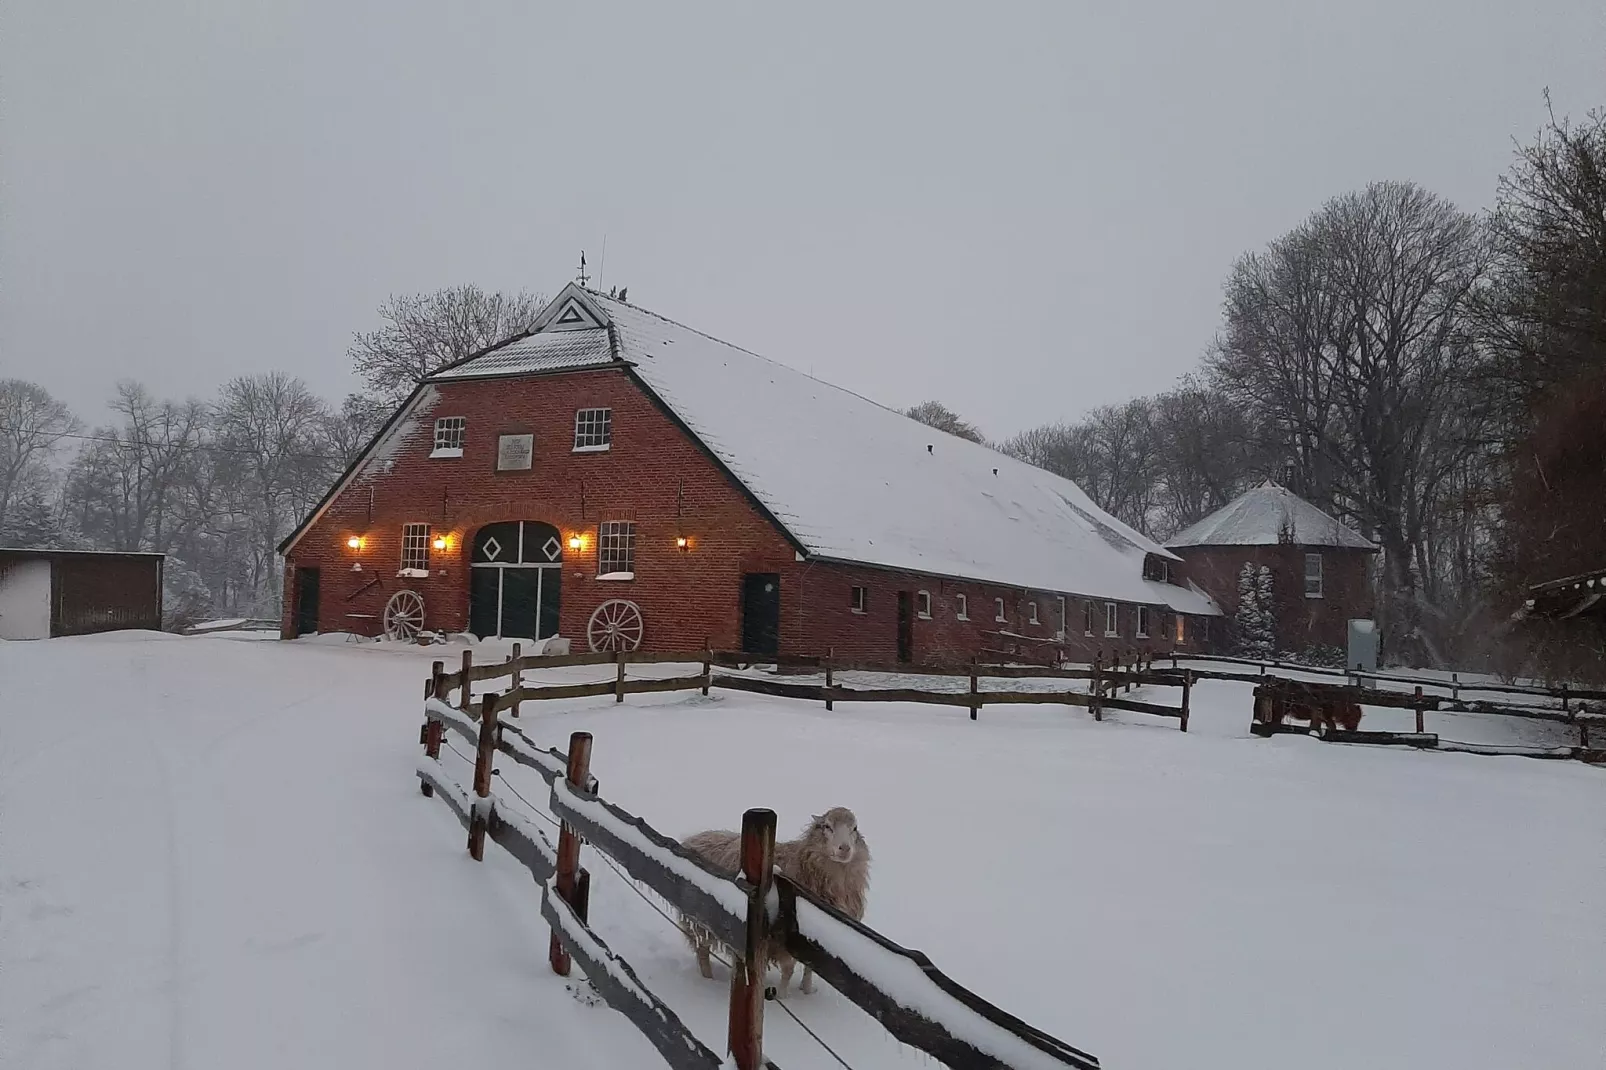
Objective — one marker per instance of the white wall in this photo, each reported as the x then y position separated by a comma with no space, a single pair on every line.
25,599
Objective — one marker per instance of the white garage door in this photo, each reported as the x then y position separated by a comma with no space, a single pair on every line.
25,600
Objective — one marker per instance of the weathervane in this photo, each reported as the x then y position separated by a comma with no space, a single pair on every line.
584,278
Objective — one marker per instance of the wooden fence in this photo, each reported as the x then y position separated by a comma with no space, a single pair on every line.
1104,682
923,1008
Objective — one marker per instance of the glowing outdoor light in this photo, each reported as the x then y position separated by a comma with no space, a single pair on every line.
355,542
682,542
575,541
440,542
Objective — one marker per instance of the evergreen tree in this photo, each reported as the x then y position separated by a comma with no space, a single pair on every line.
1255,621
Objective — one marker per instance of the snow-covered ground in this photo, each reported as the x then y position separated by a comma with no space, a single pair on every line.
214,853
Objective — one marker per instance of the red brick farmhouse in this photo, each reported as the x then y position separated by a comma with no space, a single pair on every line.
618,479
1321,569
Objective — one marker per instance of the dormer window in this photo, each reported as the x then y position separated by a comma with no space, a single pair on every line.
1156,567
450,431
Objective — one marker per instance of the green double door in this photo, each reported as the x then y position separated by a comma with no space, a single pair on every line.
516,580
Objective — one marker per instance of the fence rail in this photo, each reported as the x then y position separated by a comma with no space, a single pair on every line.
1455,684
900,988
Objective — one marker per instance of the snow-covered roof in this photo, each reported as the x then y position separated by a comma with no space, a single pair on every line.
1261,516
849,479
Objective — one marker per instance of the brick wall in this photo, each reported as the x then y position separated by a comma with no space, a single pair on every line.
1302,622
658,477
654,475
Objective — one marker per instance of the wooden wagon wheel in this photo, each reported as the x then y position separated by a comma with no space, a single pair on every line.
404,615
616,625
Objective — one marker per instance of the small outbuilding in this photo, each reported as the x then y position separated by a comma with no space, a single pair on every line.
1321,569
49,593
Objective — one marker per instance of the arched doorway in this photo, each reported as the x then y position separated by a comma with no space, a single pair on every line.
515,578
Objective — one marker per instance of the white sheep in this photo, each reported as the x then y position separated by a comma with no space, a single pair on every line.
831,860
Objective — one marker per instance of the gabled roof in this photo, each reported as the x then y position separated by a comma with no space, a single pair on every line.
1261,516
847,479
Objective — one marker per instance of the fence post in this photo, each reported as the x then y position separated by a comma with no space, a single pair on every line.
518,674
708,666
433,729
975,687
1420,727
1187,690
1133,661
830,652
1455,687
1097,689
747,976
465,701
567,878
619,679
1564,708
484,755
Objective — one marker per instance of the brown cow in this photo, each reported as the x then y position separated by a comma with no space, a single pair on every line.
1331,714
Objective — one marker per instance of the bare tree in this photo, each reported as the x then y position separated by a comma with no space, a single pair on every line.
936,414
1112,454
1208,454
1350,340
425,332
345,434
268,431
32,424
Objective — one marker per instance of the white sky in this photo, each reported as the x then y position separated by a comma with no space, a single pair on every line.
1024,210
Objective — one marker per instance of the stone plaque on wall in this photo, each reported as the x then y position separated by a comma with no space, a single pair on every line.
514,452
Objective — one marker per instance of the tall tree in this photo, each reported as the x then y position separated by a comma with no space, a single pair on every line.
1351,340
1112,454
32,424
936,414
425,332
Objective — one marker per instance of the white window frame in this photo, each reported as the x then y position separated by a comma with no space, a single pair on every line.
1031,613
1321,586
999,616
415,548
961,607
1143,623
593,430
1112,620
450,434
923,605
859,600
1087,617
1065,620
616,546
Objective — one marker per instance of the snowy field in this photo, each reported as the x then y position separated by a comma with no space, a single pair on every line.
214,854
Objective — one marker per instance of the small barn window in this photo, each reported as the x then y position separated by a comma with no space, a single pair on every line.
1143,622
1087,618
1112,619
1065,620
1031,613
415,548
449,434
923,604
593,430
861,599
1181,628
616,550
998,611
961,607
1313,575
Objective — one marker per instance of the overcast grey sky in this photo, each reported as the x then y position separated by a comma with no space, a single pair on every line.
1022,209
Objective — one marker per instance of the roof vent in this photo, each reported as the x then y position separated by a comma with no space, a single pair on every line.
995,471
929,449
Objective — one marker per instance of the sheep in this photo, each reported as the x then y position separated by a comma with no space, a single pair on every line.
830,860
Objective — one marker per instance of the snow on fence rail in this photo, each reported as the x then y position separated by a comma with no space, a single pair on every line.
900,988
1105,682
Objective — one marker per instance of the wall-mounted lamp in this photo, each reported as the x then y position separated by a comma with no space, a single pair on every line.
682,543
440,542
355,542
576,541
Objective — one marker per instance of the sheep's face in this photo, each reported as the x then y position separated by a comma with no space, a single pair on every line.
837,832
